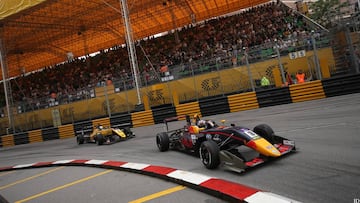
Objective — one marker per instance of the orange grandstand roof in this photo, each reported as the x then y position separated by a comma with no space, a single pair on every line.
39,33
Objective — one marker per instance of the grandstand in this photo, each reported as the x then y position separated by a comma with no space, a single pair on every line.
200,40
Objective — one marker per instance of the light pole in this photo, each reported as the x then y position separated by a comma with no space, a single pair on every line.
3,67
131,47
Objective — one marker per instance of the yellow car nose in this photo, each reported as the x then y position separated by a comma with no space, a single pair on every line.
264,147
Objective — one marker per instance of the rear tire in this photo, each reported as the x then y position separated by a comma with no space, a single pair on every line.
99,139
126,130
265,131
209,154
163,141
80,139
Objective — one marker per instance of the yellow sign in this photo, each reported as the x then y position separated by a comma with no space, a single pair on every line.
56,117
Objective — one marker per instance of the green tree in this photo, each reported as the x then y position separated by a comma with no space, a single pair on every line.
327,12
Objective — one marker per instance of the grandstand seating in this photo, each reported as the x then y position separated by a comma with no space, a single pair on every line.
206,40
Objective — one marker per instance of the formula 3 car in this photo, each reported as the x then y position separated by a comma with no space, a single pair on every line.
234,147
105,135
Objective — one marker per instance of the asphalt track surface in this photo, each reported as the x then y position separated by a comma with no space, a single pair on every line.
325,168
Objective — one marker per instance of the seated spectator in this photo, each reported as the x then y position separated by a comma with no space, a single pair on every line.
164,71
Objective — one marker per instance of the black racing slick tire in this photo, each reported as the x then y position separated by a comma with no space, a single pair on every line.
209,154
127,131
163,141
265,131
129,134
80,139
99,139
115,138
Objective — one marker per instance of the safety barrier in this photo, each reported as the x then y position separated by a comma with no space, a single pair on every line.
307,91
35,136
21,138
160,114
341,85
214,105
188,109
209,106
272,97
121,121
50,134
7,141
83,127
66,131
242,102
142,118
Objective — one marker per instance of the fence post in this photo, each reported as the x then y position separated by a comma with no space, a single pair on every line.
351,48
316,58
280,63
249,72
107,100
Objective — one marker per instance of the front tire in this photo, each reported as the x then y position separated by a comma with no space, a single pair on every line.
163,141
115,138
266,132
127,131
209,154
99,139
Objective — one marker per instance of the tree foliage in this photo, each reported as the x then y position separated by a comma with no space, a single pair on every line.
326,12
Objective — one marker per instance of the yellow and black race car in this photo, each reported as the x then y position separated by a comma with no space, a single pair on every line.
236,148
104,135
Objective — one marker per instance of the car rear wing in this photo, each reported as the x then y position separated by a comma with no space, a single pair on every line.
177,118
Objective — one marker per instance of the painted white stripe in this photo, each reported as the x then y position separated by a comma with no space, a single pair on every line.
136,166
63,161
23,165
190,177
96,162
268,197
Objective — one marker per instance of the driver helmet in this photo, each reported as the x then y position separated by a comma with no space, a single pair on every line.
201,123
101,127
